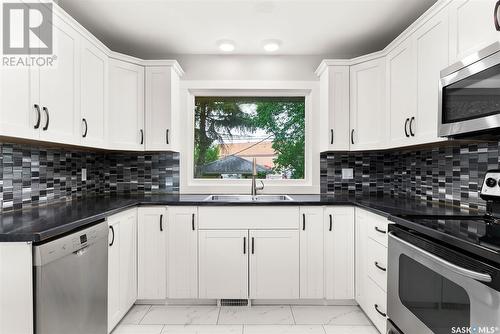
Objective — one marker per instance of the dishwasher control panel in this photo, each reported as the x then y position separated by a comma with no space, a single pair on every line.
68,244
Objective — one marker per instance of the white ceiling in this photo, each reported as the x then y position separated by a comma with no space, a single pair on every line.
331,28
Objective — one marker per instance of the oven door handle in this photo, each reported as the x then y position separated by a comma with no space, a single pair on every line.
448,265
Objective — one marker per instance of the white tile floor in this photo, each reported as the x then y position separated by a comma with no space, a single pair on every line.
282,319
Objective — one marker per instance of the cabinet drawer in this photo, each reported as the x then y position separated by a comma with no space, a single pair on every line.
377,262
376,298
378,229
248,218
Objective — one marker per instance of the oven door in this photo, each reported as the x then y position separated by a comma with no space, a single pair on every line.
470,96
428,294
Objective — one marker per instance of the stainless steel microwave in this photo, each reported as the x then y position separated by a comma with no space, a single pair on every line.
469,99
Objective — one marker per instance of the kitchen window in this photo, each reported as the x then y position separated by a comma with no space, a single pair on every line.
231,131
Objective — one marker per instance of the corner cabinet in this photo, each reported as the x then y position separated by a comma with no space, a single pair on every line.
162,107
152,253
368,116
334,107
126,106
122,265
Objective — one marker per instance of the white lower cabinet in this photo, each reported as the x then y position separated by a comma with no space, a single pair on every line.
371,266
182,252
338,232
122,265
311,252
151,253
274,264
223,264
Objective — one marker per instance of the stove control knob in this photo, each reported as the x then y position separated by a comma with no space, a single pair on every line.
491,182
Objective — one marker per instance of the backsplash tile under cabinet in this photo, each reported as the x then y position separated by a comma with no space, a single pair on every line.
451,175
33,176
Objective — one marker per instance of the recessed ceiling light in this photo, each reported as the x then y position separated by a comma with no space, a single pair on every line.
271,45
226,45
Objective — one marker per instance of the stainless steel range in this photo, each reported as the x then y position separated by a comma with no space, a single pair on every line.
444,271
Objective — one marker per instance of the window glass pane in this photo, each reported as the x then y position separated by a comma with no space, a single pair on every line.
438,302
230,132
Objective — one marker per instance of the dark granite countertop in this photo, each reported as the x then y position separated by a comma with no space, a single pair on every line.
45,222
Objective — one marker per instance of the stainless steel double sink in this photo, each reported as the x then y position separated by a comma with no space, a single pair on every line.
248,198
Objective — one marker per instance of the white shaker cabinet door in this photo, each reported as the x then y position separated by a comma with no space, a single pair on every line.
60,87
151,253
402,92
126,106
471,27
94,96
367,112
162,107
274,264
223,264
339,252
182,252
432,52
311,252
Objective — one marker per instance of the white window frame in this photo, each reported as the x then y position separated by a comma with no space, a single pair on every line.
190,89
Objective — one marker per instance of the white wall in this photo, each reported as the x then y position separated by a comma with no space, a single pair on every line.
230,72
234,67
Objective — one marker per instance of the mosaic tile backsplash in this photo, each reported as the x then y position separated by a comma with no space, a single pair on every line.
450,175
33,176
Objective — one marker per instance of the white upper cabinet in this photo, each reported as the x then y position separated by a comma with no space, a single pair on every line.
339,244
126,106
182,252
401,92
60,87
94,95
311,252
432,55
471,27
162,107
20,111
368,117
334,107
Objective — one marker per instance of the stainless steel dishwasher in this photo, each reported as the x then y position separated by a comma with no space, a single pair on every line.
71,283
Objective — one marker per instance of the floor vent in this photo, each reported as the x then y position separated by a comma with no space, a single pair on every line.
234,302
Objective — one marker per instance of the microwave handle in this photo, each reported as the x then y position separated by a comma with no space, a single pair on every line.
448,265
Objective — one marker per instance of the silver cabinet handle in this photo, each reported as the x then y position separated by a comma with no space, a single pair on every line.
46,110
406,128
142,136
331,137
352,136
38,116
166,136
448,265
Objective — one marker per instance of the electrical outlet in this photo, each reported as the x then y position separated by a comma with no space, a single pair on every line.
347,174
84,174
